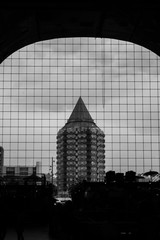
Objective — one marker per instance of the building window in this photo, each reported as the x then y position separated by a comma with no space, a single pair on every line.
23,171
10,171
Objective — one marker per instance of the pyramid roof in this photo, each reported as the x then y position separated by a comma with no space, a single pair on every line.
80,113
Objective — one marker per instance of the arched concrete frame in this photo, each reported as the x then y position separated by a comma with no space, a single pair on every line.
25,23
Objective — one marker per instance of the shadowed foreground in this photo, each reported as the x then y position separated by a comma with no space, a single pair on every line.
117,211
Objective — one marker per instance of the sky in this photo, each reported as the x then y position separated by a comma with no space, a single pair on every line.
118,81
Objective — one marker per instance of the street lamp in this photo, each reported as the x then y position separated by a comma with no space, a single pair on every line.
52,169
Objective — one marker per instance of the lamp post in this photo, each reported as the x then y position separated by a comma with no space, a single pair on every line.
52,169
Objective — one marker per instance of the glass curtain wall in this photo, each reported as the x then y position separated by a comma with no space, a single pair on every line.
118,81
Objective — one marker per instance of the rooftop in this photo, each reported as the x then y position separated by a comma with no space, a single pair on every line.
80,113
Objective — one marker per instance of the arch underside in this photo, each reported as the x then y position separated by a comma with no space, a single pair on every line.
22,25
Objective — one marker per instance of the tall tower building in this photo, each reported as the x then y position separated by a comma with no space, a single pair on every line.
80,149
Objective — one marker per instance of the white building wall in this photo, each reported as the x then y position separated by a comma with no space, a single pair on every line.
17,170
30,171
38,169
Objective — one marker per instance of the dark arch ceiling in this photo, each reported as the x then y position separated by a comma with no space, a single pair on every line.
25,23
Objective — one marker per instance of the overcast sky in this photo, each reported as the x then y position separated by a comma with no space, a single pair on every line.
118,81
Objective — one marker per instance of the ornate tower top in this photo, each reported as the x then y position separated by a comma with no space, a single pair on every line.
80,113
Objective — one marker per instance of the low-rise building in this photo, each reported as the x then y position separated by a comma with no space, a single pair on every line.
22,171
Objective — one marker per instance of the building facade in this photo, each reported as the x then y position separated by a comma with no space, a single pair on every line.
22,171
1,159
80,150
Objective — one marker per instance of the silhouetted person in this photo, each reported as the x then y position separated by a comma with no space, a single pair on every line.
3,228
3,218
12,214
18,213
19,226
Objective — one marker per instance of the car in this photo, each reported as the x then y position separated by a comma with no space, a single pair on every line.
62,200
